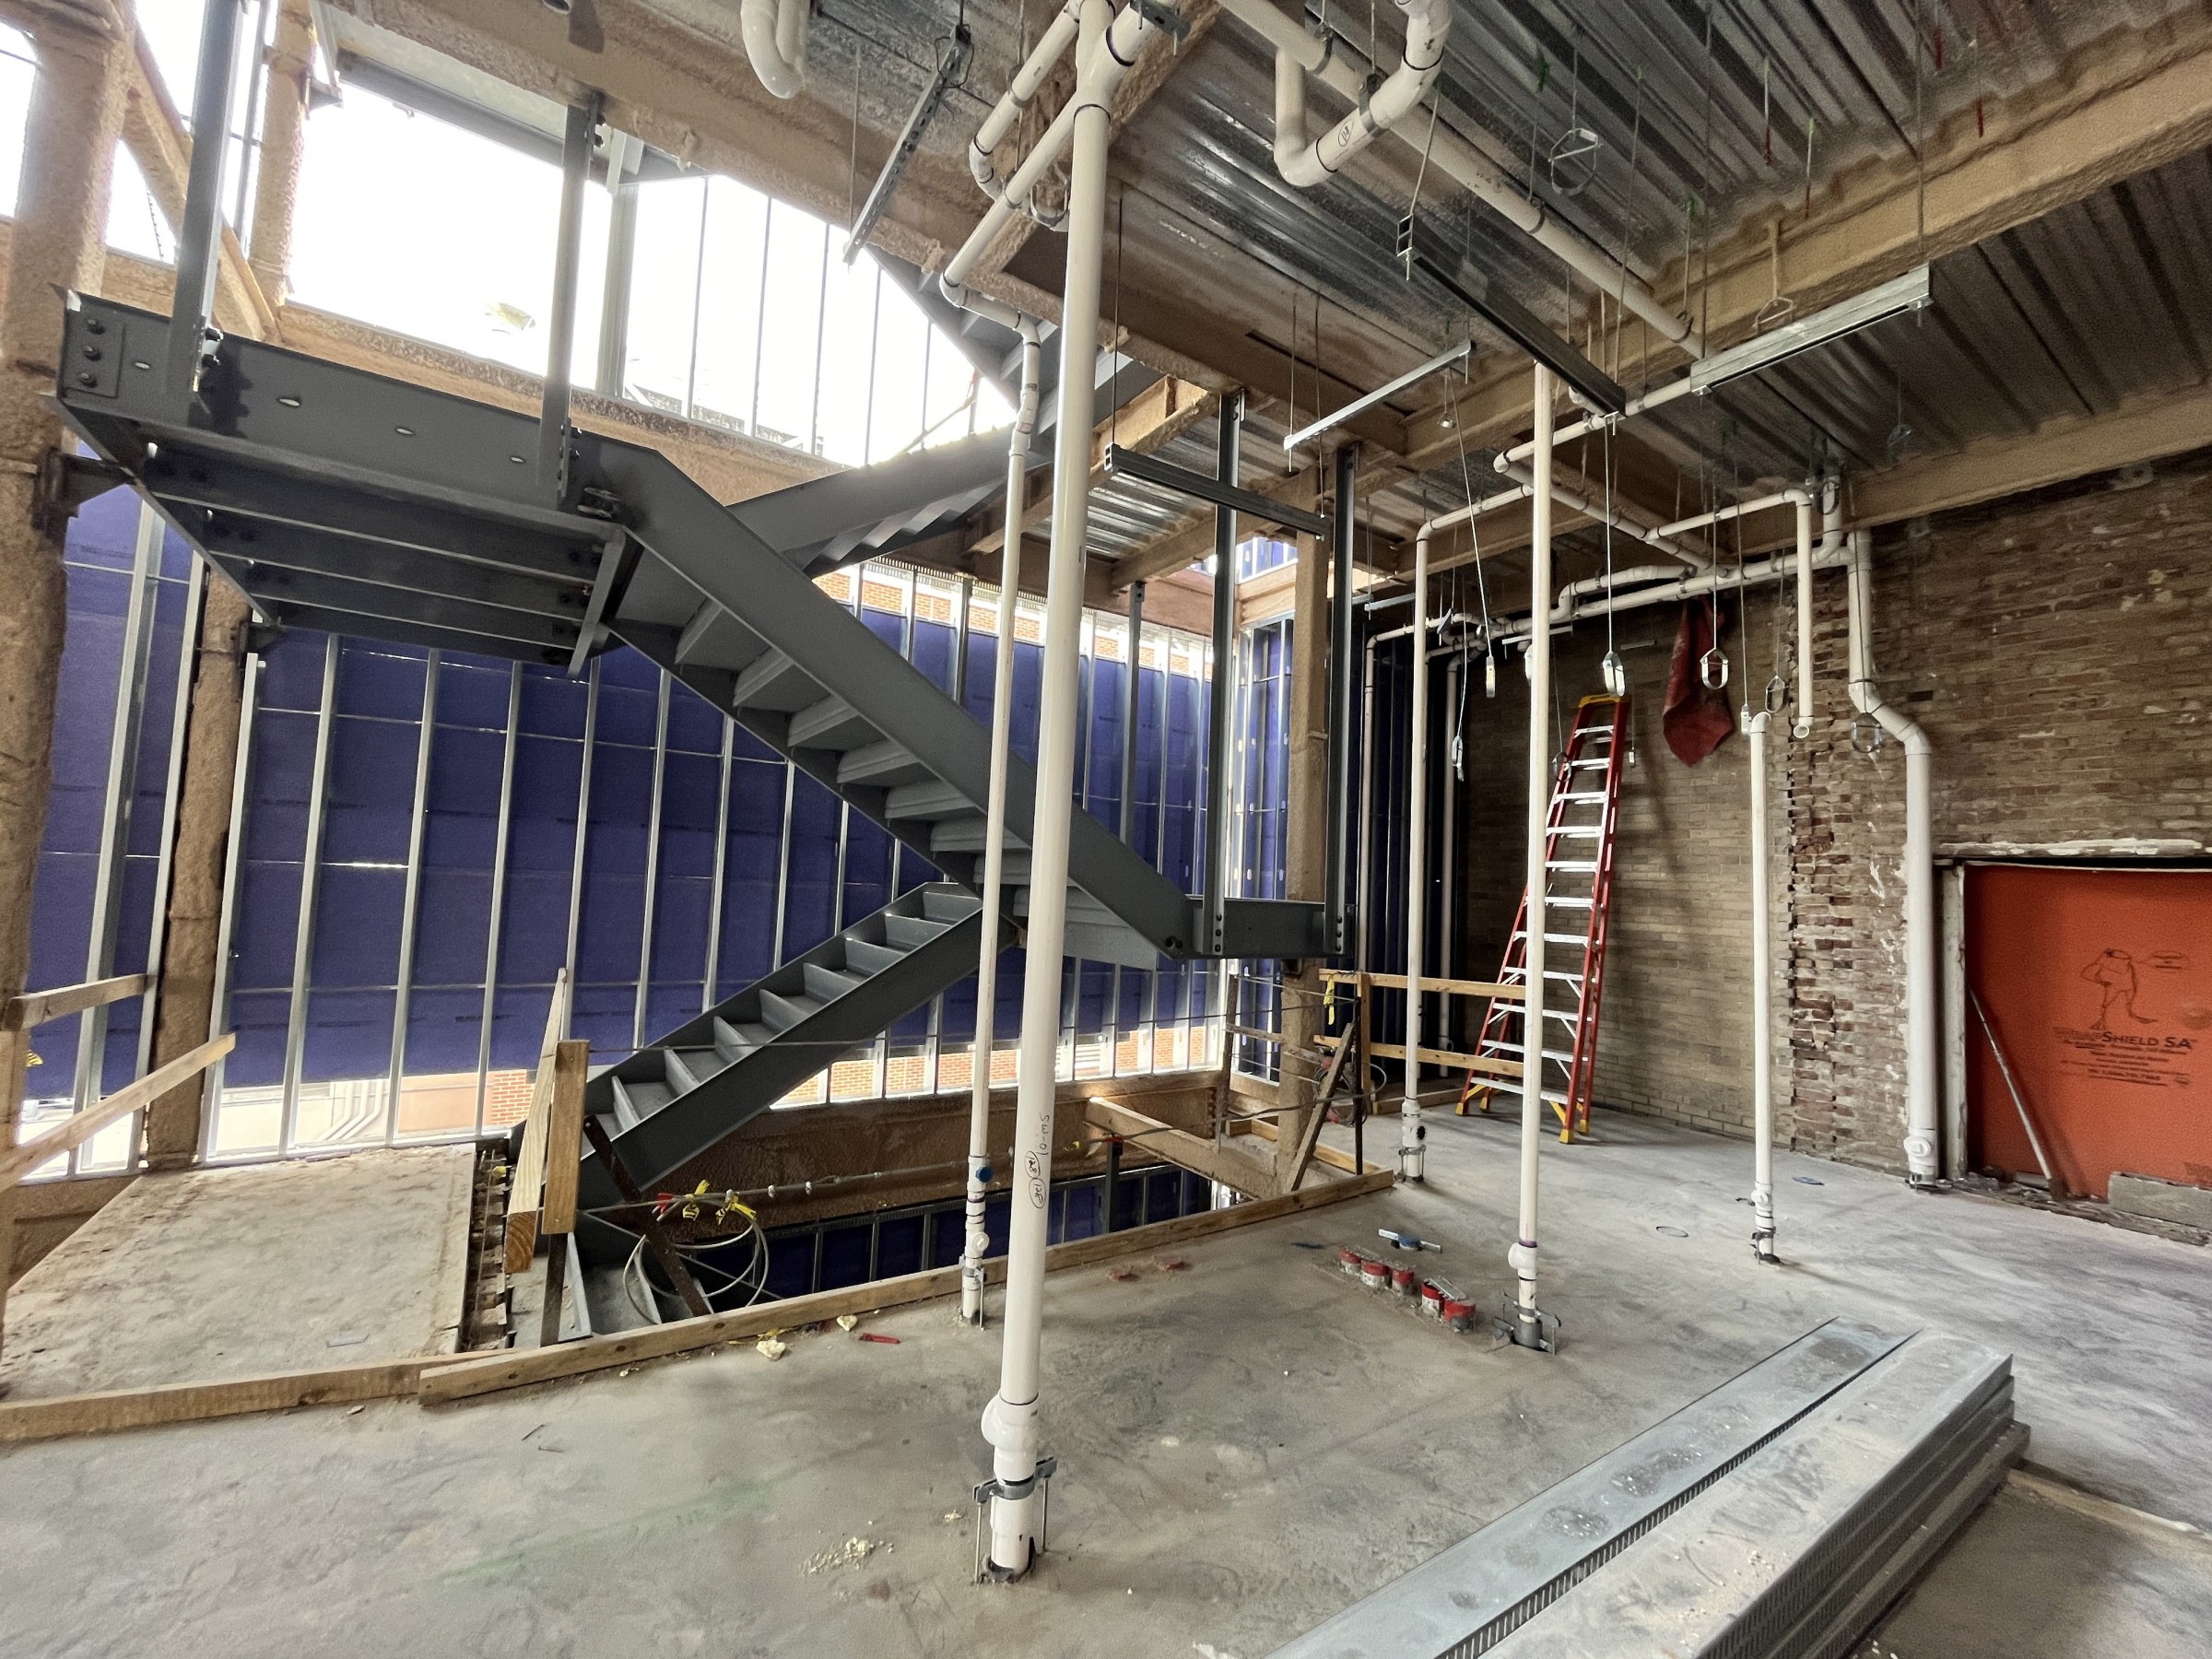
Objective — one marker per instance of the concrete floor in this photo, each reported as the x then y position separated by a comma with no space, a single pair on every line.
205,1275
1245,1446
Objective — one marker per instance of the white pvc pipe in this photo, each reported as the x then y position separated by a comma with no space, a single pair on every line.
1306,164
1100,64
1763,1008
1010,1420
1921,1058
1348,73
1412,1136
776,41
978,1243
1024,86
1588,505
1528,1328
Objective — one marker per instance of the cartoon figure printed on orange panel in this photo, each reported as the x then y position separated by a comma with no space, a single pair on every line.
2114,973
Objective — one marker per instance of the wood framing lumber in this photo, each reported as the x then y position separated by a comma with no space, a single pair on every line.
1397,981
36,1008
1197,1153
464,1379
1397,1051
104,1413
19,1161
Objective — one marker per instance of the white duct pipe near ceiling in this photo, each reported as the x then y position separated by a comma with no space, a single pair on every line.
1528,1321
1658,539
776,41
1412,1136
1307,164
1024,86
1347,74
977,1244
1106,46
1922,1060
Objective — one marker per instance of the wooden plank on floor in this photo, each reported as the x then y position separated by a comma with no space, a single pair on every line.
63,1415
462,1379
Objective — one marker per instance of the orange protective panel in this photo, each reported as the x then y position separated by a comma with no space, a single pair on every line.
2098,983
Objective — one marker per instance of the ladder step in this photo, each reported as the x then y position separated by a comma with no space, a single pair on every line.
1579,831
1582,867
1555,939
1587,765
1581,795
1568,901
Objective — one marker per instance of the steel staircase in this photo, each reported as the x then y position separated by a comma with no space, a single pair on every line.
341,500
1578,863
666,1104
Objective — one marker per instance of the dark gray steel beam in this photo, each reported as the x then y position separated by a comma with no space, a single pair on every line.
493,628
1229,445
1341,662
294,547
402,632
561,329
1426,248
1165,475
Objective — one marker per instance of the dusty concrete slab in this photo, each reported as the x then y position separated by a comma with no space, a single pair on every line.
2048,1572
1247,1445
211,1274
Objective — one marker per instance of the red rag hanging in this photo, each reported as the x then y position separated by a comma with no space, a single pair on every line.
1697,721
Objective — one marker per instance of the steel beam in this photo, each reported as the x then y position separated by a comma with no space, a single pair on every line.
1222,491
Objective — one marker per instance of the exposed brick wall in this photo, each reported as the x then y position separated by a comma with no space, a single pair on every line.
2056,647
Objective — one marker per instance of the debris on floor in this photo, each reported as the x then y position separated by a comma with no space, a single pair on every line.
845,1322
879,1336
1121,1275
1169,1264
769,1348
850,1553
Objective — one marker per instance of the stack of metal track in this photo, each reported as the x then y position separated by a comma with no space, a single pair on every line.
1779,1515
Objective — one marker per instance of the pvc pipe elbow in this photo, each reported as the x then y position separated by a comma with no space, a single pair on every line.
775,43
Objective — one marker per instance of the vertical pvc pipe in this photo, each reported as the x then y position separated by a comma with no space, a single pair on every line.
977,1241
1010,1420
1923,1065
1412,1135
1763,1012
1528,1324
1803,724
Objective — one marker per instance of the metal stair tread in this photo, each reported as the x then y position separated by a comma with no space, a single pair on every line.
776,683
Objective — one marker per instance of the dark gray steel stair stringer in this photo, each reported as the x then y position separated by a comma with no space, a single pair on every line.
695,1122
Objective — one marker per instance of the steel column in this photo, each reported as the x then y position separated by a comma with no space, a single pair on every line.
200,237
310,873
499,885
409,917
653,865
560,328
118,797
1340,699
1224,621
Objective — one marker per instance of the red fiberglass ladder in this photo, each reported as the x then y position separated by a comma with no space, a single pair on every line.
1578,862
